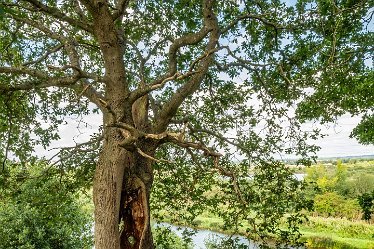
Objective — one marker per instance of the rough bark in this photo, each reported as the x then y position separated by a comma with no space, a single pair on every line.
123,177
122,184
107,193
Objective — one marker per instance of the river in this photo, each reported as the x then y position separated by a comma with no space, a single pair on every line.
200,236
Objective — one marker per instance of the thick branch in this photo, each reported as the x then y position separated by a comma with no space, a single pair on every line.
189,39
171,107
177,76
145,155
120,8
23,71
48,82
143,91
87,90
111,46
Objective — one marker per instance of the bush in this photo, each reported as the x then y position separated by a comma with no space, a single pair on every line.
328,204
331,204
164,238
217,242
37,211
362,183
366,202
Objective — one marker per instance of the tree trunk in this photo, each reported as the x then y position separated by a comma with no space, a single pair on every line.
121,192
135,231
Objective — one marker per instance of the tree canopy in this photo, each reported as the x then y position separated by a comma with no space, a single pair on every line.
40,210
195,96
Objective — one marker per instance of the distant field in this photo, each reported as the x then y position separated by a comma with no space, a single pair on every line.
328,232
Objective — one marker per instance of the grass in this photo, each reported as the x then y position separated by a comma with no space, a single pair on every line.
318,232
334,241
338,233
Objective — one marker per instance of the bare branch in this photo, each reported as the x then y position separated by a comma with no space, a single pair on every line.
230,65
234,180
284,76
233,23
154,49
86,88
186,144
40,27
154,105
76,148
203,56
219,136
137,51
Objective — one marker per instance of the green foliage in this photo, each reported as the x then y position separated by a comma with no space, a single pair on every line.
216,242
359,184
258,205
366,202
348,88
335,194
266,58
330,204
327,179
339,227
164,238
364,131
39,211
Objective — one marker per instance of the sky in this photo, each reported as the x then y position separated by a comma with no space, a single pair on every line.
337,143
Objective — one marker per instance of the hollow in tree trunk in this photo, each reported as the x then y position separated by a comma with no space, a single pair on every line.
122,185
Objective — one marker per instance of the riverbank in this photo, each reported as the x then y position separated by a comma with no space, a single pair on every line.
318,232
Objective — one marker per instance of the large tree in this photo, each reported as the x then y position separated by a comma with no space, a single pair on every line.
171,79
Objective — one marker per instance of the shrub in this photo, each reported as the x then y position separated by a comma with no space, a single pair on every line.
164,238
331,204
328,204
40,212
217,242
